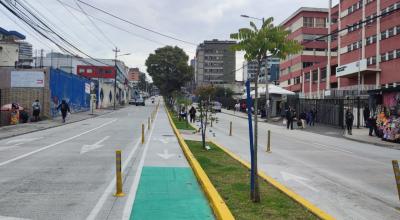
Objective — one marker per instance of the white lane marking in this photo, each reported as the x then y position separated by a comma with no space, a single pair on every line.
86,148
54,144
22,140
302,180
12,218
100,203
165,155
132,192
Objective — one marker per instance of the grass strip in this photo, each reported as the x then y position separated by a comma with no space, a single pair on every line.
231,179
181,124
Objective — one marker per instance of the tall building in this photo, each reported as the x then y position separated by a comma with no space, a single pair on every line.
369,55
215,63
301,72
250,70
363,56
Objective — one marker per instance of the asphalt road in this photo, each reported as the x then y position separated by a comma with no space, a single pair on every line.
347,179
67,172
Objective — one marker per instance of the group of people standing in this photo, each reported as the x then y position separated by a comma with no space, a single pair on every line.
302,119
192,114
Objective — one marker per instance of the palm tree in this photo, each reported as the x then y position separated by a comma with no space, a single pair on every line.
257,43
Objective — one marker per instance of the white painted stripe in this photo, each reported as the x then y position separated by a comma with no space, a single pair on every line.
12,218
132,192
100,203
54,144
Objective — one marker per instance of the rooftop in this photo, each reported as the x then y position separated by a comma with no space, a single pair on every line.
304,9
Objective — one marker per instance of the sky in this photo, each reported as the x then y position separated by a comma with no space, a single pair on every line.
190,20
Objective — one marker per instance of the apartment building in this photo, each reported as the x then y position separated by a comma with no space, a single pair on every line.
361,53
305,72
215,63
250,70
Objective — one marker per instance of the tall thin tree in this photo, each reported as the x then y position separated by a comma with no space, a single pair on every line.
257,43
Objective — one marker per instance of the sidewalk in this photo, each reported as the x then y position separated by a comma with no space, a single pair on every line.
25,128
359,135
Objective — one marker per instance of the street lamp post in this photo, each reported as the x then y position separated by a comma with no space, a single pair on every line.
116,51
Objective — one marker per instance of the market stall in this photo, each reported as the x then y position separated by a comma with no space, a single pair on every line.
386,108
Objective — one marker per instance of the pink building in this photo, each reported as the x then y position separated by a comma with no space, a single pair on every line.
361,57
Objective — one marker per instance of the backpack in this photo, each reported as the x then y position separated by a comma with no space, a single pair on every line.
36,106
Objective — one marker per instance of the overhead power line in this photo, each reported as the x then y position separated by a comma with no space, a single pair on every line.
137,25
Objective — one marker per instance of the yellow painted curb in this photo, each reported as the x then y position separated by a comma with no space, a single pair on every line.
296,197
218,205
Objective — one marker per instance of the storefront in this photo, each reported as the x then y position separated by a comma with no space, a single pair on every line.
385,106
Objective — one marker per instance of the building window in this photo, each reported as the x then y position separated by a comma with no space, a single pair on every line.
320,22
307,64
383,57
288,81
308,22
307,77
398,30
391,32
398,53
391,55
349,48
383,35
323,74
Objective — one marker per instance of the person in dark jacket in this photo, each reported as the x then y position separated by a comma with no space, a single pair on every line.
366,114
371,123
64,107
192,114
349,121
289,118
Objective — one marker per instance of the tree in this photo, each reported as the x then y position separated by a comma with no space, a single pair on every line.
142,81
257,43
204,95
169,69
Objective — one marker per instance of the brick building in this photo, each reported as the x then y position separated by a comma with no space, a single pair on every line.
363,56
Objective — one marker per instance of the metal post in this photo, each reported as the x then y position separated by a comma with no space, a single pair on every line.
396,171
250,121
230,129
142,133
358,112
269,142
118,160
115,75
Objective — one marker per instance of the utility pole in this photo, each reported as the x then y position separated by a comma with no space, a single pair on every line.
116,50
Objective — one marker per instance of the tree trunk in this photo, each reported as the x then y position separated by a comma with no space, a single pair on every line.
256,197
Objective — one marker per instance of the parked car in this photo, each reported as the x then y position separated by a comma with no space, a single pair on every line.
216,106
139,101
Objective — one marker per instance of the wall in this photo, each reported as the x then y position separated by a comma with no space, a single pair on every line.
23,96
69,87
8,53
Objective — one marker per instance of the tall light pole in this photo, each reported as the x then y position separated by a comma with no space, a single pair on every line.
116,51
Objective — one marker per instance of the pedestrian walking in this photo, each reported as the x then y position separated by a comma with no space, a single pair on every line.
303,117
366,114
192,114
36,107
349,121
64,108
289,118
371,124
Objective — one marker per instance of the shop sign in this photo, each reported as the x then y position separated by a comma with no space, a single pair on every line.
27,79
351,68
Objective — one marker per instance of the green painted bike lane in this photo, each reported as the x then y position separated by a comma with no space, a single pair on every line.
170,193
168,188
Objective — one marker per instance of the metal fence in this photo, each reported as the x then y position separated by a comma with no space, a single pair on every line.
331,111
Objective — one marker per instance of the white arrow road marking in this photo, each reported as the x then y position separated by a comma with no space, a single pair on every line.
87,148
166,155
303,181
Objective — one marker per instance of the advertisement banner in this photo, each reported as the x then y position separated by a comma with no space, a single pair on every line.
27,79
351,68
